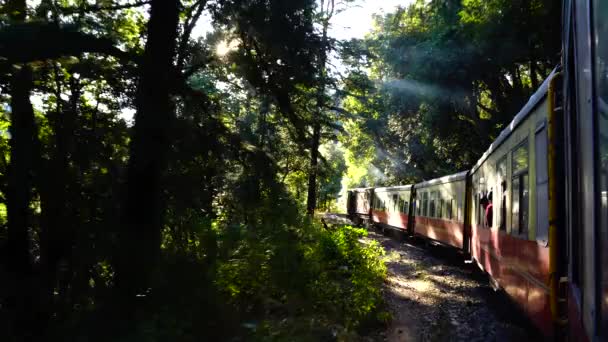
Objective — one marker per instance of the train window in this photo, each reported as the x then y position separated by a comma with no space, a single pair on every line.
440,210
501,205
480,211
448,213
425,204
542,186
600,12
395,203
458,214
417,205
520,190
406,207
476,208
432,208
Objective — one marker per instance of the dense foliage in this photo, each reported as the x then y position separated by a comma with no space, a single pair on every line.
154,183
437,81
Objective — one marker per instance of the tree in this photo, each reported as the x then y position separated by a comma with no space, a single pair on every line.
446,84
144,209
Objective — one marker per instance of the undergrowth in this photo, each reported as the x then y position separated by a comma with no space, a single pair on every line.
241,283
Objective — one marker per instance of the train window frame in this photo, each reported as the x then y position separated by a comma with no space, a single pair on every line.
406,207
521,177
502,195
432,204
425,202
450,211
440,207
395,203
541,198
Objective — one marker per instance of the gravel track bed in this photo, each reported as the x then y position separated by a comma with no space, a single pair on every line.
433,295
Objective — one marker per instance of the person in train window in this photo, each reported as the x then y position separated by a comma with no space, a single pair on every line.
489,211
482,208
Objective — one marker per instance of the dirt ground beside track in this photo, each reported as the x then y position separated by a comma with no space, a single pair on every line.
433,295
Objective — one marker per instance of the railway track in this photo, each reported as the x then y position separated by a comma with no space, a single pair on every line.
434,296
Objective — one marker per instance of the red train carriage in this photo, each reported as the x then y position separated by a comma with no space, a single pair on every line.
439,213
391,207
359,204
509,220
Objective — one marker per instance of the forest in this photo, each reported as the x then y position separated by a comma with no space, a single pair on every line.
160,185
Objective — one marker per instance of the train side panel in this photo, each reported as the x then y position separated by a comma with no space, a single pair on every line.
511,244
359,205
390,207
440,215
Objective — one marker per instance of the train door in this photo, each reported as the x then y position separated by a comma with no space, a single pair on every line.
599,30
586,85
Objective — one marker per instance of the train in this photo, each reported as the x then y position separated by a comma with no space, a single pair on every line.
533,211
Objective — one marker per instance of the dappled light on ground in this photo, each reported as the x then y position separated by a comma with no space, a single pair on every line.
433,295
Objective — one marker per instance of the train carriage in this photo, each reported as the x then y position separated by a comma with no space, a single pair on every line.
583,217
359,205
439,213
391,207
510,241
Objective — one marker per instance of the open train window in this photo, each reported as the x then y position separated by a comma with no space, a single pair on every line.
501,205
440,209
449,206
432,211
406,207
395,204
425,204
520,190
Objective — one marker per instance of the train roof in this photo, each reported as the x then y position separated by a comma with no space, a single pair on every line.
518,119
393,188
445,179
359,189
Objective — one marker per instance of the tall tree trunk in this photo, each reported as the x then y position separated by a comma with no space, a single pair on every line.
311,202
58,224
533,71
143,208
20,172
22,131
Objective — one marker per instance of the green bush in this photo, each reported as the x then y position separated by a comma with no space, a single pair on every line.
299,283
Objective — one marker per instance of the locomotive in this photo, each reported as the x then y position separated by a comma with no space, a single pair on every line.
533,211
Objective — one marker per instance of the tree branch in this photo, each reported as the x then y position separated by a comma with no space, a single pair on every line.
487,109
189,25
34,41
98,8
